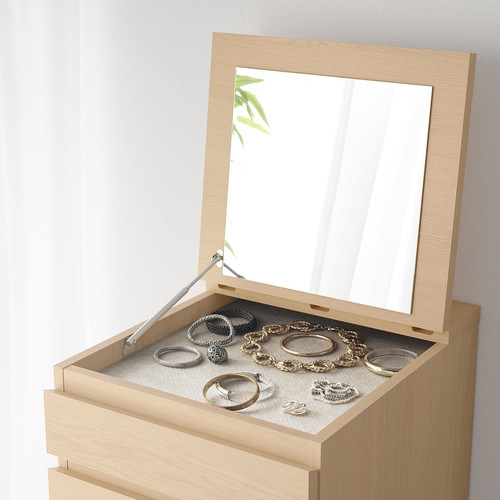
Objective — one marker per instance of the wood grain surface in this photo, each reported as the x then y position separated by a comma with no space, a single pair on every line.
450,74
66,485
167,459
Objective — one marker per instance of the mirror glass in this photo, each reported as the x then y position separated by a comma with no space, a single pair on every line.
325,185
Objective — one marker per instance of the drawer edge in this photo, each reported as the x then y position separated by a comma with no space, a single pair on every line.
192,416
67,485
151,454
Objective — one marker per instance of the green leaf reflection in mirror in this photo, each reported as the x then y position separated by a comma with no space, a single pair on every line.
247,100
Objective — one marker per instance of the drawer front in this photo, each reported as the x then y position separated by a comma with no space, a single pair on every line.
66,485
168,460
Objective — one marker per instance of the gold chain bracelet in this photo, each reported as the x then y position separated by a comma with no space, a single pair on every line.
355,349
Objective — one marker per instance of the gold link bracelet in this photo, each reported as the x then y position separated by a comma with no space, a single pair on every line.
355,349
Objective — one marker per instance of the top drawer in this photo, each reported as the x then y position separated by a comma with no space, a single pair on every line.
165,459
149,440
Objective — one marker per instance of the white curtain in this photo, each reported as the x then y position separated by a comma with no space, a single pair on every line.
41,305
371,215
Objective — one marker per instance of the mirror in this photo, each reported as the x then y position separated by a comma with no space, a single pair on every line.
325,185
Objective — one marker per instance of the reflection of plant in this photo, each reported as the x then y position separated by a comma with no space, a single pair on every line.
247,100
228,246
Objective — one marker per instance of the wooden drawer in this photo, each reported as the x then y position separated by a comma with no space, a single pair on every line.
166,459
66,485
409,439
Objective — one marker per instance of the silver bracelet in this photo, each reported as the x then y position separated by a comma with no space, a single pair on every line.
265,392
208,343
388,361
177,364
333,393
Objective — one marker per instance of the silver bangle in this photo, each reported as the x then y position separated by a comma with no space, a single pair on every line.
265,392
388,361
208,343
177,364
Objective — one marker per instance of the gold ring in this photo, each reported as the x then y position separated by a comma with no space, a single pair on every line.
307,335
227,376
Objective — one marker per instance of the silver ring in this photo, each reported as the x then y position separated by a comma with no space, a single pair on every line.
265,392
208,343
293,408
178,364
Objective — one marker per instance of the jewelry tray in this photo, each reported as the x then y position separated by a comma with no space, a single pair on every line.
141,368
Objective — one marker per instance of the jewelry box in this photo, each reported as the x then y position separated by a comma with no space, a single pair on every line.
123,426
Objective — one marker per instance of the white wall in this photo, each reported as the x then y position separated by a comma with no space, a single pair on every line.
144,92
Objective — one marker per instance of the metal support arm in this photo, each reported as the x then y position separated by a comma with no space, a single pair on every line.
129,346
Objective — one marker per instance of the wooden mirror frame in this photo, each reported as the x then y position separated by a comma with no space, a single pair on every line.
451,76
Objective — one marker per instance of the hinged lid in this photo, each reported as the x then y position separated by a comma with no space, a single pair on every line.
450,74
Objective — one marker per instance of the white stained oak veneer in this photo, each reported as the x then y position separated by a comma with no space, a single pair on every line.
409,439
451,76
67,485
151,443
163,457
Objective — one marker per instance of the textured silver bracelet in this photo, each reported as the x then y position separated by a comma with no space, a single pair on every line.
208,343
265,383
333,393
233,312
177,364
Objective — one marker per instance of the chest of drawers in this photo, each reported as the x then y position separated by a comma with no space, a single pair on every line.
122,435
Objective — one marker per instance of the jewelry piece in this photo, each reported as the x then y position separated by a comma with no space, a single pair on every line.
228,376
388,361
208,343
265,392
293,408
355,349
333,393
177,364
217,354
307,335
233,312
